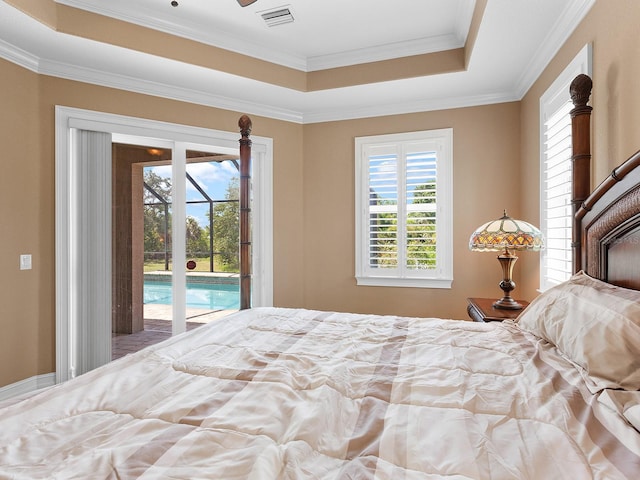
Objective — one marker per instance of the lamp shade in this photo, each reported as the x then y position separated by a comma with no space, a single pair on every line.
506,233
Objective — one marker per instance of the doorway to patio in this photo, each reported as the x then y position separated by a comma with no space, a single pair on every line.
83,225
143,237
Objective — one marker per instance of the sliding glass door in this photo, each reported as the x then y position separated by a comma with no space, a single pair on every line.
98,290
175,235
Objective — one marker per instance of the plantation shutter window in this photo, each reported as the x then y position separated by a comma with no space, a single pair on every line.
556,219
383,210
403,202
421,210
556,196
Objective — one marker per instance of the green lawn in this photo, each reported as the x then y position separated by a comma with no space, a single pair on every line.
202,265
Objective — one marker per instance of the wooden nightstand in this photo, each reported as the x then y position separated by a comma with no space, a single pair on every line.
482,310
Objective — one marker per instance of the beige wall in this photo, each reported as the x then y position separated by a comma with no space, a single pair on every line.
287,160
613,33
27,341
26,196
496,155
486,142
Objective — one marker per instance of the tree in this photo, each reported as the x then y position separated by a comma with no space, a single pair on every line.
197,242
420,232
421,229
160,185
226,235
156,217
226,227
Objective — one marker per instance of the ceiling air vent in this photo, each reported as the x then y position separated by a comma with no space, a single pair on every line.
277,16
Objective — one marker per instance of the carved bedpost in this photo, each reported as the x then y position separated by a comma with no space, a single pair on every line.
245,212
580,91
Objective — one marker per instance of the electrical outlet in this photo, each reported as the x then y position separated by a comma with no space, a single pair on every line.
25,262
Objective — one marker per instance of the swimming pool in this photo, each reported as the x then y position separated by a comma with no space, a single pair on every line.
199,295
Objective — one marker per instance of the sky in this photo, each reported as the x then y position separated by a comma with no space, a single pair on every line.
213,177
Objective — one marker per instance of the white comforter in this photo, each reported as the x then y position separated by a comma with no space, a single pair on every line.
298,394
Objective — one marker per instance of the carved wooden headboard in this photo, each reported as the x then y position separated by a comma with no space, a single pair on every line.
610,227
606,229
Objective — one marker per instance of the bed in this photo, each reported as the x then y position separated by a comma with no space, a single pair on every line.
277,393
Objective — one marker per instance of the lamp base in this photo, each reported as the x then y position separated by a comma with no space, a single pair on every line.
507,261
507,303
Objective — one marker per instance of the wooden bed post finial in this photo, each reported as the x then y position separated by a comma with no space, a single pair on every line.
580,91
245,212
245,126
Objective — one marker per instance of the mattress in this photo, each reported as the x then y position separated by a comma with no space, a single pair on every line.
273,393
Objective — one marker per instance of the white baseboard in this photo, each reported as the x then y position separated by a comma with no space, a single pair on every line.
28,385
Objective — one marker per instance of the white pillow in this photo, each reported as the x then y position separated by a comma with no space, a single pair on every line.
632,414
624,403
595,324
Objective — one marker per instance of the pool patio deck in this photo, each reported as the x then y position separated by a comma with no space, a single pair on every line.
157,327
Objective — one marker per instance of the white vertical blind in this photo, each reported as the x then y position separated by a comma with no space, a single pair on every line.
90,312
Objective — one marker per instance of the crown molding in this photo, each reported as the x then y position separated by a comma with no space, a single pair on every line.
157,89
230,41
464,16
562,29
20,57
216,38
573,14
384,52
163,90
434,104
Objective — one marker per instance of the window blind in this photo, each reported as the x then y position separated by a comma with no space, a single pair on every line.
383,211
556,196
420,217
404,209
556,263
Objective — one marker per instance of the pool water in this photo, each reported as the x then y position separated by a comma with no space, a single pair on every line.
199,295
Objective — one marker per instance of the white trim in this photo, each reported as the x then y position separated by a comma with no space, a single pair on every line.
178,241
18,56
421,46
231,41
197,97
376,109
68,118
404,282
582,63
442,142
551,100
224,39
164,90
567,22
27,386
175,92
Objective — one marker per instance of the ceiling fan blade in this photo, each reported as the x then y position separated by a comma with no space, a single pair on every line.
246,3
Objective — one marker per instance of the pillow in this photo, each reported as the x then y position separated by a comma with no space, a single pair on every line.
626,404
593,323
632,415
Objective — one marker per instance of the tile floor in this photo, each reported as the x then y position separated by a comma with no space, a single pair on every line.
157,327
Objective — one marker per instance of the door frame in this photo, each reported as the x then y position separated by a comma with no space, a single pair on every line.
68,119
